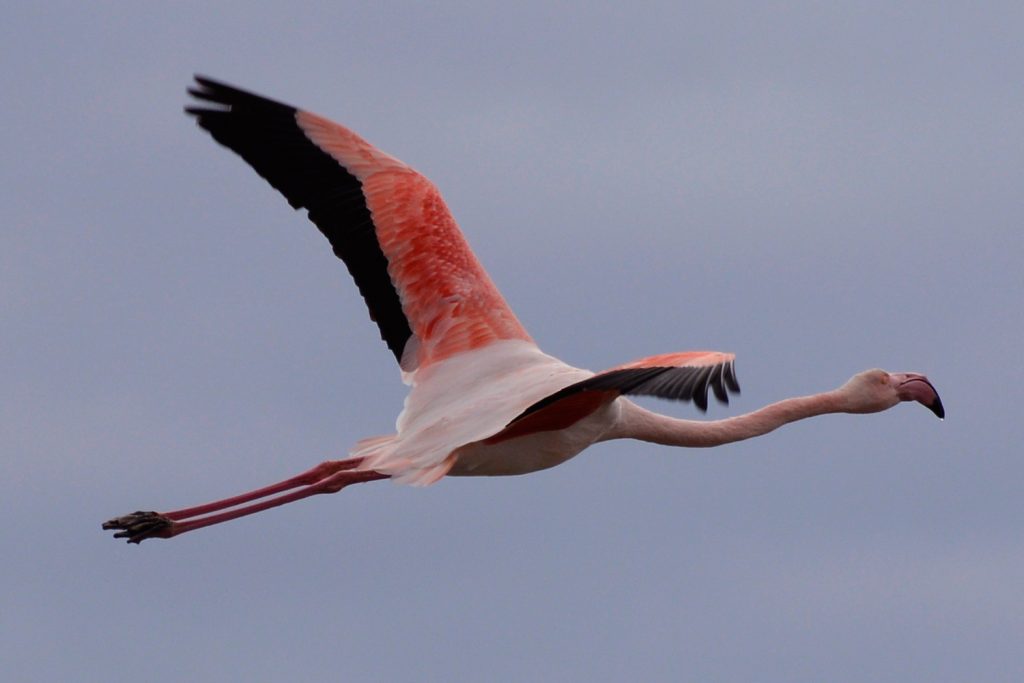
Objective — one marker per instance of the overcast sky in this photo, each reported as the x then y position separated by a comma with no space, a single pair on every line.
819,187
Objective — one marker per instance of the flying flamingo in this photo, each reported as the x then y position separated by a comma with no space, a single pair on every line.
484,400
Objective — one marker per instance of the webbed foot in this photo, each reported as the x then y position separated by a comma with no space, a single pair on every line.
138,526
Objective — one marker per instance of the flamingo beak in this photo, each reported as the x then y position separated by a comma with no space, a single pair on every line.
914,387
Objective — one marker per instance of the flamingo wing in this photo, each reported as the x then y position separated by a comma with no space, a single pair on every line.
686,376
424,287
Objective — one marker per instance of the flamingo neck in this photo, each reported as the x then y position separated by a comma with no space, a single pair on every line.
639,423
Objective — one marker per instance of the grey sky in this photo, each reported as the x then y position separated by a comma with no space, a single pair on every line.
819,187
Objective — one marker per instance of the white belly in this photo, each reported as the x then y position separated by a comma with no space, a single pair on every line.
533,452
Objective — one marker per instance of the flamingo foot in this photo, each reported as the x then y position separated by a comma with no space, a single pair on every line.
138,526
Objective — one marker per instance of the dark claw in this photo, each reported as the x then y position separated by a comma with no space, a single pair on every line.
138,526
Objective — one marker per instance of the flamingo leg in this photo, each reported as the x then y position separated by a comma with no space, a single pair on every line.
327,477
307,478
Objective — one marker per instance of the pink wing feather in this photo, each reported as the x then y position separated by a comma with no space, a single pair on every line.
450,301
425,289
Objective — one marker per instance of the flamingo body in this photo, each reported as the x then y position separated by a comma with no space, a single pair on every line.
483,398
509,408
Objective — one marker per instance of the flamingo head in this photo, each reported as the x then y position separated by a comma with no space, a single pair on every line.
875,390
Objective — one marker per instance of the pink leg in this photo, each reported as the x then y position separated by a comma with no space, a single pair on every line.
308,478
327,477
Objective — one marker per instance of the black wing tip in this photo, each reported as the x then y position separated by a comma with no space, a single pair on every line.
669,382
206,88
718,385
700,398
694,384
729,375
210,90
685,383
208,82
206,92
724,382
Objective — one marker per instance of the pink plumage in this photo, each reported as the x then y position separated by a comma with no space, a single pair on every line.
449,300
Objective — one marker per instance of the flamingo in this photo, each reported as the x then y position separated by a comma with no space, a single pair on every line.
484,400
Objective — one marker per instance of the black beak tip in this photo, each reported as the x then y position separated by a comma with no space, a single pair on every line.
936,407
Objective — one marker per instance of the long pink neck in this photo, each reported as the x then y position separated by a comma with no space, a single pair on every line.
638,423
